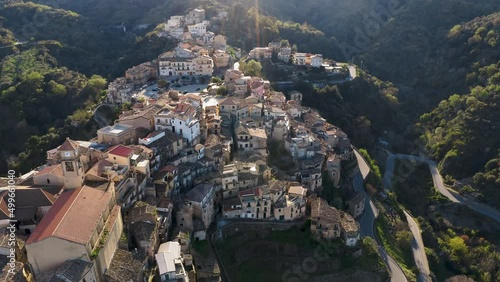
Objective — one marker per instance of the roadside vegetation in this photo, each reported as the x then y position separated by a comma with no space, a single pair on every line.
457,239
395,236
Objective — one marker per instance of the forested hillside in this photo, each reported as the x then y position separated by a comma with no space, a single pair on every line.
463,131
364,108
419,46
47,82
42,105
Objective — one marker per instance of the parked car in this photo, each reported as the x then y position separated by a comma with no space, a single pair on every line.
155,89
198,89
185,92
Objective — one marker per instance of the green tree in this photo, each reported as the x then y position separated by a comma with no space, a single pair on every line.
222,91
162,83
56,88
404,239
215,79
251,68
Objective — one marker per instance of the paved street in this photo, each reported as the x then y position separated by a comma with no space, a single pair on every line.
419,250
364,168
439,184
367,221
418,244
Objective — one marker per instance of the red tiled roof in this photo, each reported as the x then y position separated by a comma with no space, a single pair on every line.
68,145
251,192
168,168
53,169
182,107
230,101
73,216
121,151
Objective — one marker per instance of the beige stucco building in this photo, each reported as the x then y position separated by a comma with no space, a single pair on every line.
116,134
83,223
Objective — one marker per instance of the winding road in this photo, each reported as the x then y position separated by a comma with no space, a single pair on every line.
419,250
418,245
367,221
15,44
438,183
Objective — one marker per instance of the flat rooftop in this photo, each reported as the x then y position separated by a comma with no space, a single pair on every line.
116,128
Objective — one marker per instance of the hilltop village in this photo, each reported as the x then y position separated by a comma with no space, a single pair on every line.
191,153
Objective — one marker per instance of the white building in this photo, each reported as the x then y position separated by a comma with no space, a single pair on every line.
198,29
181,120
175,26
170,262
316,60
230,181
299,59
174,21
195,16
284,54
202,65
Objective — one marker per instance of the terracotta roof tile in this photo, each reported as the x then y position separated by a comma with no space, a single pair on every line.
53,169
73,216
121,151
68,145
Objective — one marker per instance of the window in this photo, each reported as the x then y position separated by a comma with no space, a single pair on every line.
48,181
69,166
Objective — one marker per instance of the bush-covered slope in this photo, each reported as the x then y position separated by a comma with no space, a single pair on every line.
364,107
40,104
84,47
463,132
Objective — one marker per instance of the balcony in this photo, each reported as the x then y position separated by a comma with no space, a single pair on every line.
105,232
